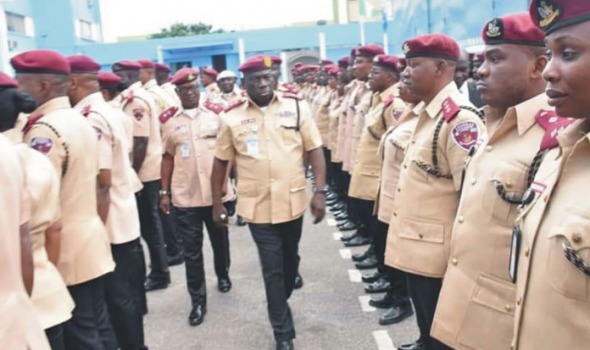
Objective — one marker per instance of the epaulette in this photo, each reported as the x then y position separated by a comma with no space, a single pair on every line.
130,97
167,114
292,96
450,109
214,107
235,104
86,110
553,125
30,122
389,100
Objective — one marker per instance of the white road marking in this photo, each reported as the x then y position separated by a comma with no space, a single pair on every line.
345,253
355,276
364,301
331,222
383,340
337,235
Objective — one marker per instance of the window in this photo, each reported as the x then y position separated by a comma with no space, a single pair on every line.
85,30
16,23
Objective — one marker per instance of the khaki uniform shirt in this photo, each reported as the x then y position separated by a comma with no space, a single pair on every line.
361,111
316,101
420,233
477,293
323,117
140,106
113,155
212,93
170,89
70,143
269,152
364,183
20,328
226,100
334,110
190,137
552,295
346,118
163,99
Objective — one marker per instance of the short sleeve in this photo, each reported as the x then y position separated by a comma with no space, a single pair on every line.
44,140
169,145
224,147
309,131
105,141
139,113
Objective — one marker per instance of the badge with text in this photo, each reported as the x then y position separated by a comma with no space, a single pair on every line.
185,150
253,145
42,144
538,187
248,121
285,114
514,252
465,135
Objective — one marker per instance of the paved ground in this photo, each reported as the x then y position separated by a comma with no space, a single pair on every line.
328,312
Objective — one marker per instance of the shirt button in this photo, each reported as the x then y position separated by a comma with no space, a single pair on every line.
527,252
399,190
405,166
473,181
508,184
455,261
413,142
489,148
394,214
420,235
577,238
461,219
519,301
508,307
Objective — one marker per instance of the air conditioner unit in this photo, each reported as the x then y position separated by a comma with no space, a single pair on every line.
12,45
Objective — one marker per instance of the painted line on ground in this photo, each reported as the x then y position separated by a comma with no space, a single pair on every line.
364,301
383,340
337,235
345,253
331,222
355,276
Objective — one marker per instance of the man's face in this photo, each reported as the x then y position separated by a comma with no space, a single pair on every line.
310,77
379,79
145,75
226,85
568,72
407,96
259,85
31,85
462,72
419,75
162,77
333,82
128,77
504,75
362,67
189,94
206,80
323,78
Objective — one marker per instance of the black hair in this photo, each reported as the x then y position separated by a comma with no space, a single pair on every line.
13,103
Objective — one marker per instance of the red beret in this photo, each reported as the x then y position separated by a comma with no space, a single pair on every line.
108,79
344,61
210,71
83,64
369,51
162,68
126,65
276,60
517,28
550,15
434,46
256,63
7,82
326,62
299,70
327,67
389,62
40,61
148,64
333,71
298,64
185,75
312,68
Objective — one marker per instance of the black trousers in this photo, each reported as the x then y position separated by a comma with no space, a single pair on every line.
55,336
425,292
327,157
151,230
361,213
171,237
397,278
278,250
90,327
125,294
339,180
190,228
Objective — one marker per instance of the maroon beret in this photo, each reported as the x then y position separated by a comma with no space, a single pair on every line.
210,71
516,28
147,64
389,62
7,82
256,63
162,68
333,71
326,62
434,46
83,64
126,65
276,60
298,64
300,69
344,61
550,15
369,51
108,79
40,61
185,75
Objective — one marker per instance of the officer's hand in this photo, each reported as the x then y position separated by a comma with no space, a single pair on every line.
220,217
318,207
165,204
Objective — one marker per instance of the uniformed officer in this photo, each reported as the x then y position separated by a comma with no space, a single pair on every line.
551,239
163,79
230,93
420,233
276,71
498,175
189,145
268,135
125,292
140,106
323,119
208,80
70,143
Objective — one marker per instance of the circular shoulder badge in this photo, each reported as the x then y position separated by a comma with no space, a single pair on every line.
465,134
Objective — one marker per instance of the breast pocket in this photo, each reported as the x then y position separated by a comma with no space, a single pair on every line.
563,275
209,134
288,130
512,178
240,134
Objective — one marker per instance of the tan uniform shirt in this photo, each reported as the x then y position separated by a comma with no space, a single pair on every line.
70,143
357,126
269,152
346,114
212,93
190,138
323,116
20,328
364,183
139,105
229,99
552,295
316,101
477,293
334,110
420,233
163,99
113,155
170,89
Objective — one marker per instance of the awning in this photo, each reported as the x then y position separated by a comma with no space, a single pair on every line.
196,47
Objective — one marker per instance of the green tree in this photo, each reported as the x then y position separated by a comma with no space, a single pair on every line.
181,29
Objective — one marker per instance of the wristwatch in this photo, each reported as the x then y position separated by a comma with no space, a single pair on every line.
322,190
164,193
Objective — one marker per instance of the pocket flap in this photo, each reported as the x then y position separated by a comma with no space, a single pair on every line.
576,229
421,230
297,183
495,293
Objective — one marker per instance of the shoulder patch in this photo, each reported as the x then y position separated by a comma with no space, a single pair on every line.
465,134
397,113
214,107
98,133
86,110
450,109
139,113
130,97
553,125
42,144
292,96
389,100
30,122
167,114
235,104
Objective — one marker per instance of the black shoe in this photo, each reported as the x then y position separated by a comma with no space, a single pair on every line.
369,263
177,259
341,217
358,242
285,345
337,207
379,286
197,315
151,284
346,238
298,282
372,277
387,301
396,314
241,221
347,226
224,284
362,256
418,345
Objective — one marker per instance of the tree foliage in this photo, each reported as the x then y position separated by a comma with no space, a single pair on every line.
182,29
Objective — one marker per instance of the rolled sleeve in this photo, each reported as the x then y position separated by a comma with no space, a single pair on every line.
224,147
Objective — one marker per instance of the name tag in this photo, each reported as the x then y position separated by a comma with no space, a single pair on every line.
185,150
253,145
514,252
